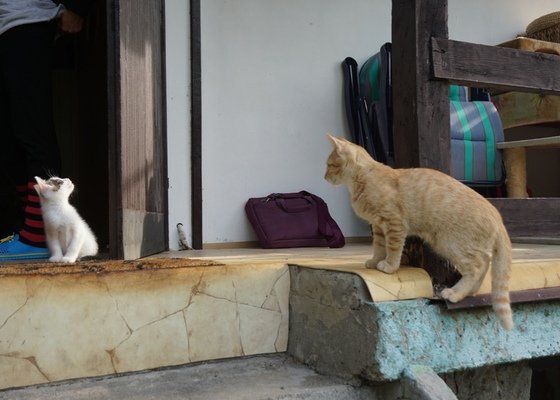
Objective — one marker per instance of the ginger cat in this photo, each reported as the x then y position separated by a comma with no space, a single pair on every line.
458,223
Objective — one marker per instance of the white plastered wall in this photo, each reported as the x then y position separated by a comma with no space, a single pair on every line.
177,37
271,89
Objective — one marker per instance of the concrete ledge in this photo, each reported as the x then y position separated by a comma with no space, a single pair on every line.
412,283
338,330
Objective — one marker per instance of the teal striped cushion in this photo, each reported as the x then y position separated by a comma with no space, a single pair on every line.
475,129
369,81
458,93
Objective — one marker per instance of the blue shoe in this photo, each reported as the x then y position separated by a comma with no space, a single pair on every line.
12,249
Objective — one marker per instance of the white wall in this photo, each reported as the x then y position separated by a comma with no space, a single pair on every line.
177,36
272,87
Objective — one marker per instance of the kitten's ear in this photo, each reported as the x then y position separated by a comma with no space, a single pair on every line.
40,185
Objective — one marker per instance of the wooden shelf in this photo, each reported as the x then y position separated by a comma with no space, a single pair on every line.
546,142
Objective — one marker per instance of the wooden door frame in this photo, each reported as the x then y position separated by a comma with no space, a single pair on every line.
114,128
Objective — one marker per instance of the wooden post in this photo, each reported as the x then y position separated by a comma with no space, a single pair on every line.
196,125
420,105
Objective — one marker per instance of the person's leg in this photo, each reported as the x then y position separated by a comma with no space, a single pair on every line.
26,65
11,210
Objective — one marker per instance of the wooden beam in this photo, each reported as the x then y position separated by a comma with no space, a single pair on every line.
492,67
419,103
196,125
534,217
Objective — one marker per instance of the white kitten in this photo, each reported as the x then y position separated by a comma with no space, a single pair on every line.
68,236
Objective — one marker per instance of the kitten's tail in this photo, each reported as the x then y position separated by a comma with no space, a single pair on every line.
501,271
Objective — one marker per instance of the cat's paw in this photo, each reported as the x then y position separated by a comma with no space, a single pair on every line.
451,295
55,259
384,266
372,262
68,260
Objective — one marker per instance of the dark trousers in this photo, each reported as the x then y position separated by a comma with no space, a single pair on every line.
28,144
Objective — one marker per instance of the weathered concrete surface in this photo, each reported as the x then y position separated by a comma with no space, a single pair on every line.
332,328
260,377
336,329
422,383
496,382
278,376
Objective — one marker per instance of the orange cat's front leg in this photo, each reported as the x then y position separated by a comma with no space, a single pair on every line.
395,236
379,252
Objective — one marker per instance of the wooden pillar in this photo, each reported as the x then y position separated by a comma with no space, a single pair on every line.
196,125
420,105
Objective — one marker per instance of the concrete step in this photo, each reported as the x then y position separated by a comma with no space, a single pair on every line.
336,329
267,377
99,318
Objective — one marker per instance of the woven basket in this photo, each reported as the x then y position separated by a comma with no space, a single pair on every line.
545,28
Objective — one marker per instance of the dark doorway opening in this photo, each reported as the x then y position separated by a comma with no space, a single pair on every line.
80,107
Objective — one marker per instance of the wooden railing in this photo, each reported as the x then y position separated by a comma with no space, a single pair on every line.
425,62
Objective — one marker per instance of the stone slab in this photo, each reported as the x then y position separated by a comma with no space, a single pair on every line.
338,330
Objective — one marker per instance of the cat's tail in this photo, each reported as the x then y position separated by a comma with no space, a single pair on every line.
501,272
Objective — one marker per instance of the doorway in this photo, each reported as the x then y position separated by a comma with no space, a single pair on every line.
109,93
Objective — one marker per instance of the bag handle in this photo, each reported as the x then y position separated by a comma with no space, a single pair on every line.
280,199
294,209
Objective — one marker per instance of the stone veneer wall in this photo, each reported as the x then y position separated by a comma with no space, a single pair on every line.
63,326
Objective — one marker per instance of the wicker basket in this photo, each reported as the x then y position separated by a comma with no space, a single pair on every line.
545,28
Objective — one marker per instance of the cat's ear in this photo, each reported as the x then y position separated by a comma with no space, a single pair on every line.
336,142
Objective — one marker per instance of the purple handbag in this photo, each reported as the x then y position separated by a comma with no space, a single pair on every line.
299,219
